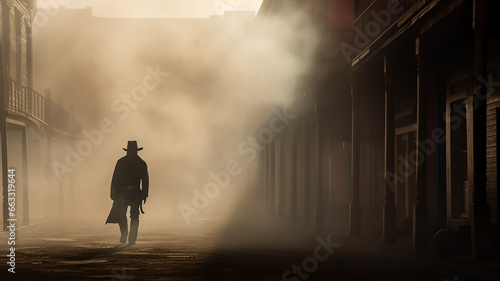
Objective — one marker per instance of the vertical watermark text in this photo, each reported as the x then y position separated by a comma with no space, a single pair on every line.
12,220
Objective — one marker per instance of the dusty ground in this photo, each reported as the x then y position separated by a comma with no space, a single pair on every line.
57,251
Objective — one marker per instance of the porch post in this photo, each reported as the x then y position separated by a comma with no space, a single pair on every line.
319,170
420,211
272,173
3,140
48,167
280,178
390,235
306,169
294,171
265,172
480,211
26,208
355,207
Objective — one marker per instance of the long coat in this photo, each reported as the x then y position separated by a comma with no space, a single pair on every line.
130,170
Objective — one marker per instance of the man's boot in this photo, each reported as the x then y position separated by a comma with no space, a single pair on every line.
134,226
124,232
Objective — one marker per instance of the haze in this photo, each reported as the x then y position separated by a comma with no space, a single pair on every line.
156,8
191,123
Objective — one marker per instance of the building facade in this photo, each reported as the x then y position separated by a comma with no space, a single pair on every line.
424,104
29,121
307,171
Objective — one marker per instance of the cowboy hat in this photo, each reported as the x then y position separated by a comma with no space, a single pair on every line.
132,146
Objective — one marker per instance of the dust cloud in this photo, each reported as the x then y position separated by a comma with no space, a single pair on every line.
190,91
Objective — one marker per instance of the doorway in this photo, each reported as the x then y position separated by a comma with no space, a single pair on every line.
405,192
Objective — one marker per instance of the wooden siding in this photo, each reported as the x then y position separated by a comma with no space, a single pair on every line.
12,40
16,40
1,21
24,52
491,155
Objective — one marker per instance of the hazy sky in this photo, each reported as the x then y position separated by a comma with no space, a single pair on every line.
156,8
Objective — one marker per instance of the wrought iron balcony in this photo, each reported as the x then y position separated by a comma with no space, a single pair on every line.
25,102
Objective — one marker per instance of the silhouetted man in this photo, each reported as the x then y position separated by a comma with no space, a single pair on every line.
130,170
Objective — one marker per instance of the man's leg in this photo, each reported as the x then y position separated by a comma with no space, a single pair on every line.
121,208
124,231
134,223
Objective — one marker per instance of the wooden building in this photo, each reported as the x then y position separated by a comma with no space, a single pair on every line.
424,119
307,166
29,121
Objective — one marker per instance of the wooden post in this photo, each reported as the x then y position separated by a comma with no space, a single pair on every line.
26,208
319,171
480,217
420,211
272,173
265,172
441,155
306,170
3,140
60,178
389,227
48,167
280,178
268,172
497,113
294,171
355,207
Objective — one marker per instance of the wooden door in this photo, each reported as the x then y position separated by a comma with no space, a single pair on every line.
406,179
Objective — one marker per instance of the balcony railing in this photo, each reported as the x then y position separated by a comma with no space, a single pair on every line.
24,101
381,15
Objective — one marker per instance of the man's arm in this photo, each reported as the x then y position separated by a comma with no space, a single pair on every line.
114,182
145,183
